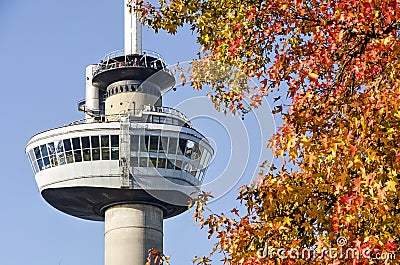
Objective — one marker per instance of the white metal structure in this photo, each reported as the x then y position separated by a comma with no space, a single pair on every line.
131,162
133,29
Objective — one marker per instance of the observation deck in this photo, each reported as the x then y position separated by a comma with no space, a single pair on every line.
78,166
116,66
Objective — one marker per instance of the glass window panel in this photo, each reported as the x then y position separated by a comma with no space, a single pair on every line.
189,148
86,154
209,160
198,174
105,153
178,165
156,119
53,161
135,142
105,141
61,159
32,158
168,121
35,166
40,164
69,156
46,162
196,152
134,161
43,149
76,143
153,143
162,119
182,146
37,152
203,153
153,162
95,141
78,155
85,142
163,145
203,159
96,154
60,147
114,153
143,162
51,149
172,145
31,155
144,143
170,164
186,166
161,162
67,145
114,140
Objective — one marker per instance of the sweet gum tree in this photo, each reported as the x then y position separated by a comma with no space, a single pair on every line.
338,63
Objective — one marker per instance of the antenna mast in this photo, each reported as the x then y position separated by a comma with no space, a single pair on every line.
133,28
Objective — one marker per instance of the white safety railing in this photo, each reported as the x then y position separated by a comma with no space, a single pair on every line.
117,59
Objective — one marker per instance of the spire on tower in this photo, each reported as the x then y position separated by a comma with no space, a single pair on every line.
133,28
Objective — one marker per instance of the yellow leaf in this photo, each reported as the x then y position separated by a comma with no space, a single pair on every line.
391,185
286,220
312,76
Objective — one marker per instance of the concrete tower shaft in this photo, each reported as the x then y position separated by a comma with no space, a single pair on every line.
130,231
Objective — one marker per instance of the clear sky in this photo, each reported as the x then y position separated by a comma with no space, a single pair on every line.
45,47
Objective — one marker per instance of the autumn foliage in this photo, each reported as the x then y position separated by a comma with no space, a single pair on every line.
338,64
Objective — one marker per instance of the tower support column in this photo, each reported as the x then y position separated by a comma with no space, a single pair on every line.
130,231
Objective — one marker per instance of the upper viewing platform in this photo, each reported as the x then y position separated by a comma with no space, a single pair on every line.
116,66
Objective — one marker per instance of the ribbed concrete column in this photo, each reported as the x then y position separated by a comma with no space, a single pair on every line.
130,231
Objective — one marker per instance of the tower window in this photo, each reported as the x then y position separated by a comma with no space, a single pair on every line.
78,149
76,143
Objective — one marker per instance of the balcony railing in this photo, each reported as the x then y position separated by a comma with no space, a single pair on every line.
148,109
166,110
117,59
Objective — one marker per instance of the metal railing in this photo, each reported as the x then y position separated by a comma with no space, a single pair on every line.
99,117
148,59
119,53
165,110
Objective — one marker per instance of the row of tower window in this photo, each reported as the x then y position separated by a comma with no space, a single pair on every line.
171,153
149,151
166,120
122,89
168,163
170,145
79,149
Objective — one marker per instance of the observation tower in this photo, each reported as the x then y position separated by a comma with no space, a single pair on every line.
131,162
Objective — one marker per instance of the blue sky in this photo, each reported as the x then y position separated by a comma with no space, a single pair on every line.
45,47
